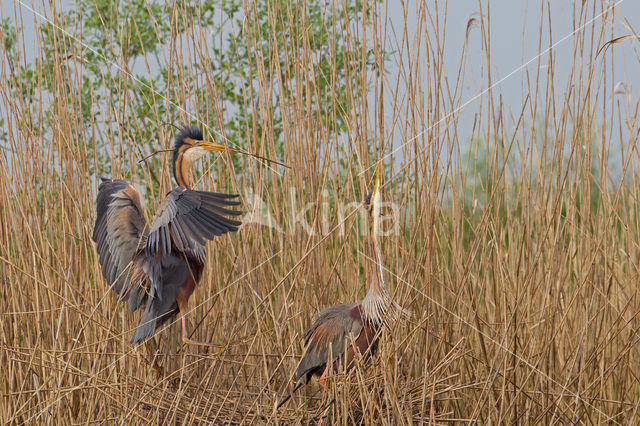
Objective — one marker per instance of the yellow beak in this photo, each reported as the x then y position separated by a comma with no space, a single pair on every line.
377,182
212,146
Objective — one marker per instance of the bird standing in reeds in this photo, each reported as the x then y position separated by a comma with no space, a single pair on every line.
340,332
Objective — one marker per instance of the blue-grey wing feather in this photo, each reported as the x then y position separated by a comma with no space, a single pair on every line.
185,220
199,215
119,233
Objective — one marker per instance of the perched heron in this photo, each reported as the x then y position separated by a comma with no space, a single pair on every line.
328,340
159,266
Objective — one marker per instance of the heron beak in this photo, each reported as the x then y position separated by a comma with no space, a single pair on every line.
377,182
212,146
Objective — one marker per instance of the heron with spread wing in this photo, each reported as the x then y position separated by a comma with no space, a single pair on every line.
158,266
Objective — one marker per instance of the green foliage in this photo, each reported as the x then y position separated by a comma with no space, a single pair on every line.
3,132
127,88
22,84
237,67
9,35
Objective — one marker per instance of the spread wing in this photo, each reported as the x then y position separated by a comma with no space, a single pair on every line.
148,265
185,220
118,232
327,337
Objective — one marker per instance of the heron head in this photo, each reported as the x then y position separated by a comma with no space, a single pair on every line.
188,147
189,143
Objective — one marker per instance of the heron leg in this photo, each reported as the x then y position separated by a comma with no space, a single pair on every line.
181,299
188,341
324,381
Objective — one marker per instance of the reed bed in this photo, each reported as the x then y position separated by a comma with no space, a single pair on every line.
516,252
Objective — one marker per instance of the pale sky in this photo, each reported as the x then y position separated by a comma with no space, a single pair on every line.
514,41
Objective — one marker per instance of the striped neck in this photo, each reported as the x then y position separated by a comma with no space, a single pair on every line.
184,157
180,168
378,299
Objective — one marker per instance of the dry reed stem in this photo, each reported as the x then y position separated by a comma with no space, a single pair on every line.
523,294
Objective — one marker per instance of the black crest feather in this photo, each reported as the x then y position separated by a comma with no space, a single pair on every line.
187,132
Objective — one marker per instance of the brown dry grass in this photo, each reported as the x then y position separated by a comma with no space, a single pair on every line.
523,310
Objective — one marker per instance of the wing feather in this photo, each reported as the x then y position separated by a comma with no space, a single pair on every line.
197,233
209,225
191,231
328,337
188,218
180,234
185,220
220,222
118,231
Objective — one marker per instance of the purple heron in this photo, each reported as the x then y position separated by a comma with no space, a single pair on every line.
158,266
328,341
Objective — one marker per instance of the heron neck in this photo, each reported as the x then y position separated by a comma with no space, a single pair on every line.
377,283
181,167
377,301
